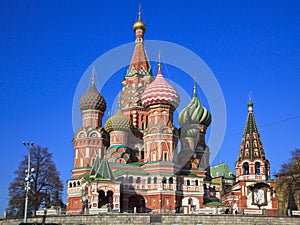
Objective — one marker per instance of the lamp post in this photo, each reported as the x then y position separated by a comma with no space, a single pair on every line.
28,180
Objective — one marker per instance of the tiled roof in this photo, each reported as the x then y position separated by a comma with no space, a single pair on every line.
102,170
221,170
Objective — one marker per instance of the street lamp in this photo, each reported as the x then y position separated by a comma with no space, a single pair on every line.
28,178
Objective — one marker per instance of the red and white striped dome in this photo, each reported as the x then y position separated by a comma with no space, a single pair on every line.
160,91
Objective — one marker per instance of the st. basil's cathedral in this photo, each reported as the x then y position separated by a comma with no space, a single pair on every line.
131,163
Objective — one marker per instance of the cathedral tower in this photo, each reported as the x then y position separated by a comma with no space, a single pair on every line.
252,163
137,78
160,137
194,120
90,140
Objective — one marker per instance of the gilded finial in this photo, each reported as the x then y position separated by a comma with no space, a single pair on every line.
195,92
139,24
93,75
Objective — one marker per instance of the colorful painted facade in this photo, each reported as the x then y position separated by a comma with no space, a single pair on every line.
132,163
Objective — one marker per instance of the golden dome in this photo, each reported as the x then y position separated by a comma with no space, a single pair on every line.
139,24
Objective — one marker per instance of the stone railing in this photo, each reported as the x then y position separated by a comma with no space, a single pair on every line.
253,211
142,219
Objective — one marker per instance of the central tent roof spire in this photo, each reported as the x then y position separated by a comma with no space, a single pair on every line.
139,63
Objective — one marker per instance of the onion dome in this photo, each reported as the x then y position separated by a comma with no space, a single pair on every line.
139,24
92,99
160,92
195,112
118,122
188,129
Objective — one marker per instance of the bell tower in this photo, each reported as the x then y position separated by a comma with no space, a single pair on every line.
252,163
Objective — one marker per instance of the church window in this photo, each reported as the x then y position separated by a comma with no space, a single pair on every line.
130,179
138,180
246,168
171,180
196,183
188,182
153,156
257,168
70,184
149,180
164,180
155,180
166,156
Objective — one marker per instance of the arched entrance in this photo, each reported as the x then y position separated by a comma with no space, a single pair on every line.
105,200
136,203
101,199
190,204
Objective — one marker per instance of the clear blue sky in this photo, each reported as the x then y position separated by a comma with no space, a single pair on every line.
46,46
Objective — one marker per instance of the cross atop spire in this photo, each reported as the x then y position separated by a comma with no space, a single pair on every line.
195,91
140,13
159,65
250,103
139,24
93,75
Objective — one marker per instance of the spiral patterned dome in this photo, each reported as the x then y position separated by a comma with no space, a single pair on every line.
188,129
118,122
160,91
195,113
92,99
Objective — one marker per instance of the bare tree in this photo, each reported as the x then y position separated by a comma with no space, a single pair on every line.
289,181
290,171
46,187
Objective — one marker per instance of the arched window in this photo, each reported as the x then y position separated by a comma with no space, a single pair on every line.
130,179
164,180
171,180
155,180
196,183
70,184
138,180
149,180
188,182
166,156
246,168
257,168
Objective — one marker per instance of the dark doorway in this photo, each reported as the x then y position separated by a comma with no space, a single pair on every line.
136,203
